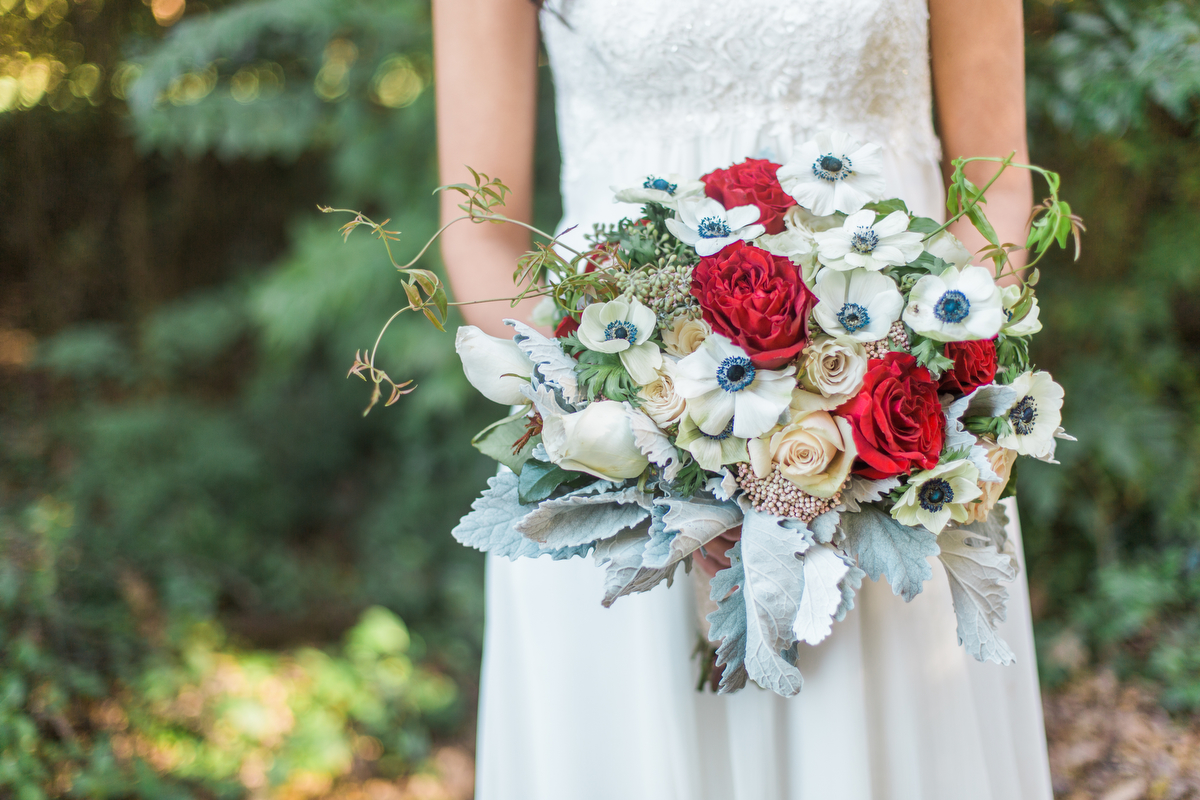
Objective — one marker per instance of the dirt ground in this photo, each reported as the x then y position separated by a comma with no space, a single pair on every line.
1113,742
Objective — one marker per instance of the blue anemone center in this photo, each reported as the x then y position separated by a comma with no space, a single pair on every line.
723,435
660,184
832,168
934,494
1023,415
621,329
735,373
952,307
853,317
713,228
864,241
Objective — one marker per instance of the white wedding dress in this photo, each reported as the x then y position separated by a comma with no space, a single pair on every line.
579,702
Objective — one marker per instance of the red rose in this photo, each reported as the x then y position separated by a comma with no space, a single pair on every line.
896,418
974,366
566,326
756,300
751,183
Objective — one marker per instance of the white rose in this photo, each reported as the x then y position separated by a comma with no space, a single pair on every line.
815,452
497,368
1026,325
660,401
685,336
948,248
834,368
598,440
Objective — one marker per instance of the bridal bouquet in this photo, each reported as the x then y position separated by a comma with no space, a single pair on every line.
780,350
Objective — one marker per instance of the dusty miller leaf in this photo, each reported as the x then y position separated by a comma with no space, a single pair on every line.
727,624
545,401
849,585
994,529
724,487
654,444
694,523
627,573
863,490
658,549
490,525
823,573
824,527
581,517
882,546
548,358
623,555
773,587
984,401
975,571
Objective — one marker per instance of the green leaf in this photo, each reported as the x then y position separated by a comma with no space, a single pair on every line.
923,225
885,207
539,480
931,355
981,223
496,441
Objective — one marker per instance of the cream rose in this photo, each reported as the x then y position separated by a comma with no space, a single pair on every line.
834,368
1001,459
814,451
660,401
685,336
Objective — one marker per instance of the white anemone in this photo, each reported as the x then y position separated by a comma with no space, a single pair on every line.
863,243
1026,325
707,226
667,191
936,496
625,327
955,306
1035,416
858,305
720,384
834,172
711,451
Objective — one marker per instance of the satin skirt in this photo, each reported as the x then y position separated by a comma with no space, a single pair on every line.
580,702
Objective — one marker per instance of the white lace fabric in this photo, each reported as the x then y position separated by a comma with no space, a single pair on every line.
697,78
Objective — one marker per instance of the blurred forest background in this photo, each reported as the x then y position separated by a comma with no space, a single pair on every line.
217,579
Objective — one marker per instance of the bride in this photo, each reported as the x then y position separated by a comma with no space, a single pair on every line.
580,702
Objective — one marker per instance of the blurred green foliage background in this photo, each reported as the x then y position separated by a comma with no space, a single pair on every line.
206,551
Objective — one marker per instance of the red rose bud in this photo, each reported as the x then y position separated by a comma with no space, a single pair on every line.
896,418
566,327
751,183
756,300
974,366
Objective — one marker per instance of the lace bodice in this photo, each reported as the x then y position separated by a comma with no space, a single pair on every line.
689,85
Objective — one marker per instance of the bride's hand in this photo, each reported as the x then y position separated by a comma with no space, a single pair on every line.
716,560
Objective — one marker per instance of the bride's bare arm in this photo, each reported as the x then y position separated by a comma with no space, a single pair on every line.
978,54
485,59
